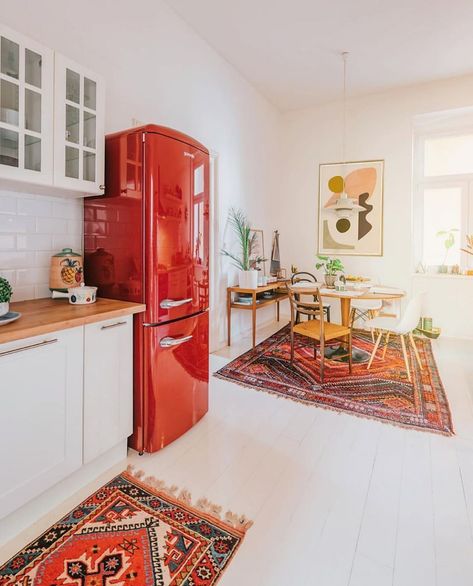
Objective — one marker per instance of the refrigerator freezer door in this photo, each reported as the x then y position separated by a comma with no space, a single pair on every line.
176,188
176,379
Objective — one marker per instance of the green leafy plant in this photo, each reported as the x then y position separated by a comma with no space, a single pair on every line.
448,242
246,240
6,291
331,266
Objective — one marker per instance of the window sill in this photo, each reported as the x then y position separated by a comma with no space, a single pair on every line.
441,276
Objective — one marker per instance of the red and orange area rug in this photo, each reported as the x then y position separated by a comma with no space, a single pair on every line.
383,392
130,533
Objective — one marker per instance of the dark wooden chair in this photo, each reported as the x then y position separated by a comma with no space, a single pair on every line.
315,327
304,277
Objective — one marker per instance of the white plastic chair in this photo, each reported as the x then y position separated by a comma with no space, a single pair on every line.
399,327
365,309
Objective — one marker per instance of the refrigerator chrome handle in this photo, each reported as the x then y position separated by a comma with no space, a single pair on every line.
168,303
167,342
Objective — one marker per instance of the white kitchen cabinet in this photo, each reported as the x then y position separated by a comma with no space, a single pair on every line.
108,384
26,109
79,109
41,414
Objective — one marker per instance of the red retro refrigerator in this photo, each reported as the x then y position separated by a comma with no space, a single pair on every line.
147,240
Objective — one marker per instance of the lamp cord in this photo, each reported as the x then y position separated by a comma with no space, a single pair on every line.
344,105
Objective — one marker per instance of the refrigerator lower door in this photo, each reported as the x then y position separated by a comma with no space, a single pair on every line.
176,379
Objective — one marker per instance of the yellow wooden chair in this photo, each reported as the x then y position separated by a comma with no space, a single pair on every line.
316,328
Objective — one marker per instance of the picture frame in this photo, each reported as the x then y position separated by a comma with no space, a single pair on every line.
360,233
259,249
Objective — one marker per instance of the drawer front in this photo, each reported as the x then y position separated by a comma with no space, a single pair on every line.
41,414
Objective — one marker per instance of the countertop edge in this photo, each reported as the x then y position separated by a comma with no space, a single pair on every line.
31,330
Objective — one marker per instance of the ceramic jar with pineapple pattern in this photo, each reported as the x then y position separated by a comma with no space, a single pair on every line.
67,270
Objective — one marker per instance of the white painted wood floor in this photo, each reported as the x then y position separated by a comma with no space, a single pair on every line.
336,500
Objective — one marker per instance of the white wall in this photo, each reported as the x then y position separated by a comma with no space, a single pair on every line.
158,70
378,127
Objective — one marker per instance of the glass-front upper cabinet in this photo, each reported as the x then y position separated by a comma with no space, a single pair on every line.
26,109
78,128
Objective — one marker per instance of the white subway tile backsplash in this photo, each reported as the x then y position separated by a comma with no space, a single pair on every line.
39,207
7,241
69,210
12,223
7,203
15,260
23,293
43,259
51,226
41,291
32,276
32,229
9,275
34,242
66,241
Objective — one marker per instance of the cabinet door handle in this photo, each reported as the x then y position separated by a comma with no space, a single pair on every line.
168,303
167,342
30,347
115,325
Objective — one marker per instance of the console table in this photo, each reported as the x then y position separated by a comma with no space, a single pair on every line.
280,294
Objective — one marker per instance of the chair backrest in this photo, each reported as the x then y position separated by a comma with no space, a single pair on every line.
410,317
307,301
303,276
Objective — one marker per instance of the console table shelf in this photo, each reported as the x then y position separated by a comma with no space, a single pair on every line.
280,294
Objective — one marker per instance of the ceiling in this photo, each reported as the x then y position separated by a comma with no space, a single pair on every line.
290,49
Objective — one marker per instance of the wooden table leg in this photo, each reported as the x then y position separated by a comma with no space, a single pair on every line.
229,318
277,311
254,318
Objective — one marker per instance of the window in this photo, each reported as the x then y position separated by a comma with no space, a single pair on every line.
444,197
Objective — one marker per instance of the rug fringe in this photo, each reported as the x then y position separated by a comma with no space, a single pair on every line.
240,522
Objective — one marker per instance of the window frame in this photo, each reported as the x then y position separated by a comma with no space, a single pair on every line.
423,182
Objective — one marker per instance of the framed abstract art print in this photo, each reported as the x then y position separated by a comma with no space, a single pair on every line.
355,228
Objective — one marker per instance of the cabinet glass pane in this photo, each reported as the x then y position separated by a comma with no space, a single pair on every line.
32,111
8,147
32,153
89,166
10,61
72,124
9,102
72,162
89,130
33,63
72,86
90,94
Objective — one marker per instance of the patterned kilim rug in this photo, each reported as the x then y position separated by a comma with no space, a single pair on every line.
130,533
382,393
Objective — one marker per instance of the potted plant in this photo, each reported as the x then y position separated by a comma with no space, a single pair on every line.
448,242
248,276
6,292
331,266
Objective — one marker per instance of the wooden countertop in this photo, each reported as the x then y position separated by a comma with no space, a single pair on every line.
42,316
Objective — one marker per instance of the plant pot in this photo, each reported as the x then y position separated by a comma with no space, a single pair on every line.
248,279
4,308
330,280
